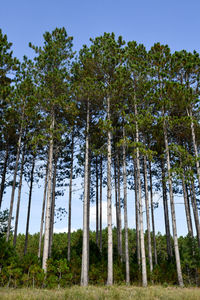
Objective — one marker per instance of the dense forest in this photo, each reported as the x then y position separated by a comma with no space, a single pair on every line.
119,117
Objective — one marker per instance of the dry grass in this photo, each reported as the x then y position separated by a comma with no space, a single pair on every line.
101,293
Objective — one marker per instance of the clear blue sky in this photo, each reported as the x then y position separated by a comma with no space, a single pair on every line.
176,23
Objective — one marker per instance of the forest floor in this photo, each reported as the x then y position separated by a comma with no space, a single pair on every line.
95,293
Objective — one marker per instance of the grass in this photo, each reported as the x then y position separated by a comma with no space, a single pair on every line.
101,293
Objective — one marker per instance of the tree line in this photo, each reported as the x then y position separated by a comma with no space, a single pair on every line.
116,115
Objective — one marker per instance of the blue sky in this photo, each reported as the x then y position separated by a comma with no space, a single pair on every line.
175,23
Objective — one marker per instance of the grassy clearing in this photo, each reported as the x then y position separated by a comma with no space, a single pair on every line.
101,293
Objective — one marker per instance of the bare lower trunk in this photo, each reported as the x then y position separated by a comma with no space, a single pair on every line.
19,198
119,207
70,200
88,210
29,206
152,215
109,201
189,210
194,145
116,205
84,268
137,215
166,211
125,213
43,210
49,199
195,211
176,248
142,245
3,178
101,188
53,206
14,183
189,223
97,203
147,215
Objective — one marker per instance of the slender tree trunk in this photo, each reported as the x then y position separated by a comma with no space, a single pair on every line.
189,224
3,178
88,208
189,210
14,183
19,198
147,215
49,198
29,206
195,211
125,213
137,215
84,269
152,215
101,189
142,245
70,200
43,210
97,204
109,201
176,248
166,211
119,207
53,205
194,145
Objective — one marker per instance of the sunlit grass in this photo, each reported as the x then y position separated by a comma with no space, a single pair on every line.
114,292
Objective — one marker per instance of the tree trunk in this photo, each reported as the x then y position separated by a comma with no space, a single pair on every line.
188,219
152,215
189,210
29,206
137,214
117,205
53,205
3,178
43,210
142,245
14,183
101,189
194,145
147,215
195,211
125,212
49,199
19,198
109,200
166,211
176,248
119,208
70,200
97,204
84,268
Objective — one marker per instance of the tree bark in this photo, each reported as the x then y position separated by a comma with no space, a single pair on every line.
137,215
188,219
109,200
19,198
14,183
43,210
119,207
70,200
84,268
49,197
53,204
176,248
166,211
142,245
152,215
125,212
195,211
147,215
29,205
3,178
